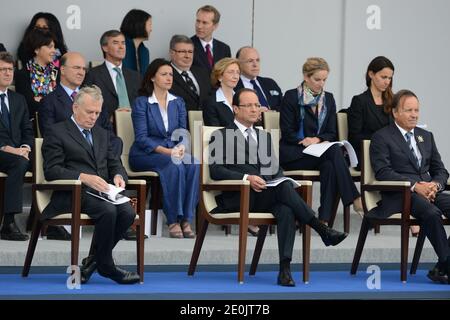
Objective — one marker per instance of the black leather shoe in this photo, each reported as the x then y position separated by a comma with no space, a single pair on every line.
332,237
58,233
119,275
11,232
132,235
285,278
88,266
437,275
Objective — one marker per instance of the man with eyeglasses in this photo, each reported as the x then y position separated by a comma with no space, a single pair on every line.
189,82
57,107
16,141
269,93
253,159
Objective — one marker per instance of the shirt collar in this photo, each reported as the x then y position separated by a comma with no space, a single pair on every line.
68,90
178,69
403,131
79,128
5,92
241,127
244,78
152,99
111,66
204,43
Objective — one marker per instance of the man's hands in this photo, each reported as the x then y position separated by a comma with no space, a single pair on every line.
309,141
119,182
428,190
22,151
257,183
95,182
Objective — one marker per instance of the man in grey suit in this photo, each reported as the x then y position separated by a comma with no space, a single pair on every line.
79,149
16,141
119,85
404,152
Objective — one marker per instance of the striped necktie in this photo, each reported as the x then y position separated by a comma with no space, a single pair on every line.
409,135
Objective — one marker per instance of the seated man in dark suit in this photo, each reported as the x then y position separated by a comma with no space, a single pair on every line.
208,50
242,152
79,149
403,152
16,141
119,85
57,106
190,82
269,93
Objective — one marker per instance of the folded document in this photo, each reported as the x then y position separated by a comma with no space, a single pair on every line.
112,196
318,149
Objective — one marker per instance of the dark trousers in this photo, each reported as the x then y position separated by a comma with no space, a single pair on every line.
15,167
335,178
287,206
111,224
430,216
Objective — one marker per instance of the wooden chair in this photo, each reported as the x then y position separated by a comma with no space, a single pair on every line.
42,191
421,240
210,188
125,130
272,122
370,192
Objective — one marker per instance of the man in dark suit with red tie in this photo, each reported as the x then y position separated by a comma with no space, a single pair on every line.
16,141
207,49
269,93
190,82
404,152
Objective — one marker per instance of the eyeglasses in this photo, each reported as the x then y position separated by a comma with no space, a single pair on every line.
77,68
4,70
183,51
249,105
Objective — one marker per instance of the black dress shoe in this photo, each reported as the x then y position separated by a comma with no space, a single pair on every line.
285,278
119,275
89,265
131,234
58,233
332,237
438,275
11,232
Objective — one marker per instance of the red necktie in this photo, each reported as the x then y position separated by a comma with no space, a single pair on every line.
209,55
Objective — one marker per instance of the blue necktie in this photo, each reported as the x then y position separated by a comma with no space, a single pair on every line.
5,112
408,136
88,137
262,100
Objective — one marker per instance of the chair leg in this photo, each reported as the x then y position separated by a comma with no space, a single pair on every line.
347,219
227,229
334,211
306,251
376,230
2,193
140,251
30,219
365,226
242,251
198,245
75,244
154,201
272,229
404,252
258,248
32,247
417,251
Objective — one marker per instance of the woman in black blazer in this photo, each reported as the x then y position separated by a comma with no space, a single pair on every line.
308,116
371,110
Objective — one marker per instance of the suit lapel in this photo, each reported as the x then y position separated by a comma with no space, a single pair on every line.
201,51
156,114
420,147
178,78
12,114
373,107
402,144
107,78
79,138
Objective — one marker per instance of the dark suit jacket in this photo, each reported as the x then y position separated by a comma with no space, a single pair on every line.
23,86
181,89
272,91
223,169
100,76
392,160
364,119
67,154
217,114
21,129
290,150
57,107
220,50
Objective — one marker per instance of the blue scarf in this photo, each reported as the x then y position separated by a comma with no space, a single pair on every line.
306,99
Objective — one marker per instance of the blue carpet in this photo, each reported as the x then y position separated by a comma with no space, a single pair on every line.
223,285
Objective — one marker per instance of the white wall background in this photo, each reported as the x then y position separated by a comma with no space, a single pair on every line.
412,33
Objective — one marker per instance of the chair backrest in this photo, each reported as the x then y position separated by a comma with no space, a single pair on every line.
36,124
42,197
342,124
94,63
125,130
271,120
206,137
368,177
195,129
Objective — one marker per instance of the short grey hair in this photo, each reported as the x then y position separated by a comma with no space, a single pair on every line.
93,91
179,38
